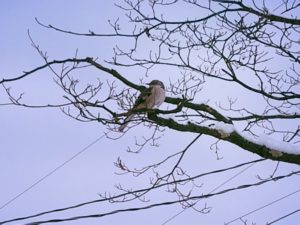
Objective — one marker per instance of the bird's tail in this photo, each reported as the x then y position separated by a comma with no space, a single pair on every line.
124,125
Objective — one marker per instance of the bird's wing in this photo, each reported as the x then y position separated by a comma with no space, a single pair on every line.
142,97
139,104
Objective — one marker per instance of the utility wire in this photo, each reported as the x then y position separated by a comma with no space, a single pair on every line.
216,188
123,195
262,207
164,203
52,172
285,216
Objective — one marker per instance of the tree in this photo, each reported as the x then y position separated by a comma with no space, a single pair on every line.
233,45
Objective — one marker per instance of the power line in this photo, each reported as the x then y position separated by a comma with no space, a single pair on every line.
164,203
264,206
285,216
133,192
216,188
52,171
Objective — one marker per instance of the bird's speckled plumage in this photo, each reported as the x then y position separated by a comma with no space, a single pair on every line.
150,98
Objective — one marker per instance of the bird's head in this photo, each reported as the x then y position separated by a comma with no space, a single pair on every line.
157,82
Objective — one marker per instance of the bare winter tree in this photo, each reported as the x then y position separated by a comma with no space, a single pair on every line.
238,44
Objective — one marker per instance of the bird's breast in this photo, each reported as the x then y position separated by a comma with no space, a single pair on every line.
159,96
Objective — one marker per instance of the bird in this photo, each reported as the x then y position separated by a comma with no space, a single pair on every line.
151,97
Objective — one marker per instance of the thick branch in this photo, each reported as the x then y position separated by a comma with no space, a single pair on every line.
198,107
265,15
233,137
115,74
27,73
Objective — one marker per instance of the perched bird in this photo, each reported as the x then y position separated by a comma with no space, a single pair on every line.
151,97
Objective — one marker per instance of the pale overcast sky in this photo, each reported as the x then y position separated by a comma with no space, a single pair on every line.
36,141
